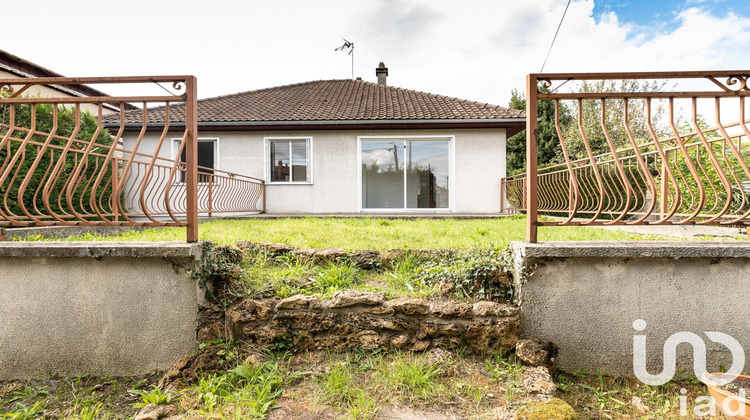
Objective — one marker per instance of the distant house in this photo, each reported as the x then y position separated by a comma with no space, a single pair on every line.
14,67
349,146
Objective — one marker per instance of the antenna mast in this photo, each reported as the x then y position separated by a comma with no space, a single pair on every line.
350,46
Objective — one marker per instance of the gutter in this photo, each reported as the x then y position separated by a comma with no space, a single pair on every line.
509,123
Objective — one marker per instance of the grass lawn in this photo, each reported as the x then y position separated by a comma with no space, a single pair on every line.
378,234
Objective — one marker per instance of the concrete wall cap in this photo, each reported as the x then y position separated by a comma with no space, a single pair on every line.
633,249
100,249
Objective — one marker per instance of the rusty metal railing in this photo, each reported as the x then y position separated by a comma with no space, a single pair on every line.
644,156
62,164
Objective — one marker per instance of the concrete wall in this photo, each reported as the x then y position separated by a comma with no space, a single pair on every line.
479,166
585,297
95,308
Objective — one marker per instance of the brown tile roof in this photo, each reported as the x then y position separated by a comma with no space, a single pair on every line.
333,100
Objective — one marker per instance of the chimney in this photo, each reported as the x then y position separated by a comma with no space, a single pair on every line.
382,73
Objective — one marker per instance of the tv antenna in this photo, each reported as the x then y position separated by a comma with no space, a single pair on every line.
348,46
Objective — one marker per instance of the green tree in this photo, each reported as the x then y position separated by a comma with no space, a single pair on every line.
614,118
548,143
54,167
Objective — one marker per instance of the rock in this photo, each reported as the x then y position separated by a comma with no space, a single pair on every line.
346,298
370,340
273,248
494,335
248,311
409,306
420,345
450,309
378,310
187,416
537,352
366,322
487,308
264,336
329,254
312,321
174,372
400,341
205,360
366,259
305,254
537,380
155,412
438,355
211,333
430,329
319,256
447,342
639,406
335,342
554,409
300,302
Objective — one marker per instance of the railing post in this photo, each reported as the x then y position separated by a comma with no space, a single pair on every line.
115,195
210,195
531,159
191,158
3,238
264,195
664,185
502,195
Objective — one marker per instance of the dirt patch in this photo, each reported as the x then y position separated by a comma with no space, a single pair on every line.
287,409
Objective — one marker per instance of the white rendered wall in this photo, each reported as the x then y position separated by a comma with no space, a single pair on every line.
479,165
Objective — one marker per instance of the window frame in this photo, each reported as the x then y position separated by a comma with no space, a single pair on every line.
175,147
267,167
451,138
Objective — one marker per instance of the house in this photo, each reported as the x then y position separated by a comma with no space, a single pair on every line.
14,67
348,146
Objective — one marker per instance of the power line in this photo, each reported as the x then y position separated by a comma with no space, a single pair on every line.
555,37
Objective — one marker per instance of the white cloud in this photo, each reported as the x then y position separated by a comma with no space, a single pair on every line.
476,50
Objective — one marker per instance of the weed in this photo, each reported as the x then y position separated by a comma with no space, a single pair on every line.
335,277
92,412
363,406
339,383
404,276
255,401
411,375
507,371
153,396
24,412
211,389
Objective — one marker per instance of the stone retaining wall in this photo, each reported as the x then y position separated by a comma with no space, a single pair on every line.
353,319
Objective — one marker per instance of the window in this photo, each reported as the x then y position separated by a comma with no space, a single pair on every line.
207,158
288,160
405,173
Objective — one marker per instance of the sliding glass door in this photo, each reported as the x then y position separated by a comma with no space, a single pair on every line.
401,174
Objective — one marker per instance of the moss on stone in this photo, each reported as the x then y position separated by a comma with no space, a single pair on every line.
554,409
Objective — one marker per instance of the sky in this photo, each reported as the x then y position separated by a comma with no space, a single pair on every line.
478,50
